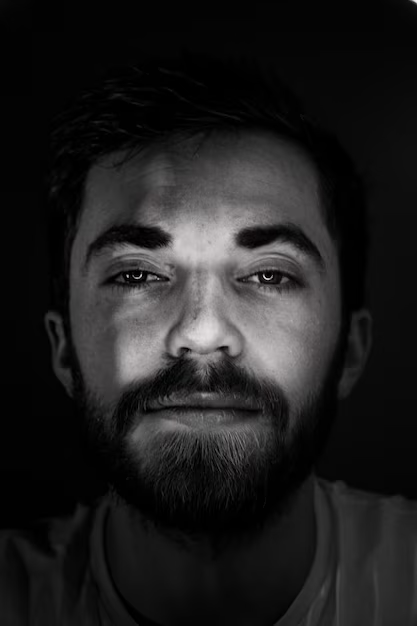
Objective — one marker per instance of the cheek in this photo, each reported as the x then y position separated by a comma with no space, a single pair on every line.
113,349
295,348
133,346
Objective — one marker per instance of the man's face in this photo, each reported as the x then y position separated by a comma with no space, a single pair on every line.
205,314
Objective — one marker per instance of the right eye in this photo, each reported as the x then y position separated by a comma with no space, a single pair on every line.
134,279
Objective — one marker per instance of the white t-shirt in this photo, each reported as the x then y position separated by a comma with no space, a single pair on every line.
364,572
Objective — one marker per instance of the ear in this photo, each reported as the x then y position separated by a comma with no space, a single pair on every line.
55,330
358,348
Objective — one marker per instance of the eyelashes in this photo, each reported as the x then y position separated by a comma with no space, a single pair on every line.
135,280
286,281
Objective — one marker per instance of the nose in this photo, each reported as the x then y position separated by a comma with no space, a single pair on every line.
204,326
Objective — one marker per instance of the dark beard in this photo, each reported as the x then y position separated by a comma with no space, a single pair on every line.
220,486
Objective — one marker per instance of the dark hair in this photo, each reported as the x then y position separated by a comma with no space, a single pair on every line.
133,107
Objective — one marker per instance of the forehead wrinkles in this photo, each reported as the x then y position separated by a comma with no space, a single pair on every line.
158,183
248,171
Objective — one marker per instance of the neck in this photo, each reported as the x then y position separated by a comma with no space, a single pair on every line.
253,585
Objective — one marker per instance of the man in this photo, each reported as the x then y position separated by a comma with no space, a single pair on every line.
208,253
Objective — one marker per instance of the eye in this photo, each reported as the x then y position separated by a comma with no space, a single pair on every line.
273,279
134,279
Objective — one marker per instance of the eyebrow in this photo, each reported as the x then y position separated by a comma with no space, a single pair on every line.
249,238
254,237
139,235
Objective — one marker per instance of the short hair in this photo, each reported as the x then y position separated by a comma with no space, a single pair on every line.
136,106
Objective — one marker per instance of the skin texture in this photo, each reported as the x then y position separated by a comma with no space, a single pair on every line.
176,556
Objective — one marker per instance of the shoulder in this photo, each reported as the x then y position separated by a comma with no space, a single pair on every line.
370,511
375,537
34,562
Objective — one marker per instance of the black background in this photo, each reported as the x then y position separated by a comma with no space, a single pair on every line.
356,68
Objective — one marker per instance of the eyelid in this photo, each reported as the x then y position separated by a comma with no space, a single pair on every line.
273,266
270,269
132,266
157,278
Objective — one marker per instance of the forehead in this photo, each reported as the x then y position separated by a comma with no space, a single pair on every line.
220,181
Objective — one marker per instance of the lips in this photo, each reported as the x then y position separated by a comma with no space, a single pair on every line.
205,401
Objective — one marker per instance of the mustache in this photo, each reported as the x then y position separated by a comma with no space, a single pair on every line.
184,377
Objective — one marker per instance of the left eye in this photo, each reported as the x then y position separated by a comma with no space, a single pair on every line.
271,277
273,280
